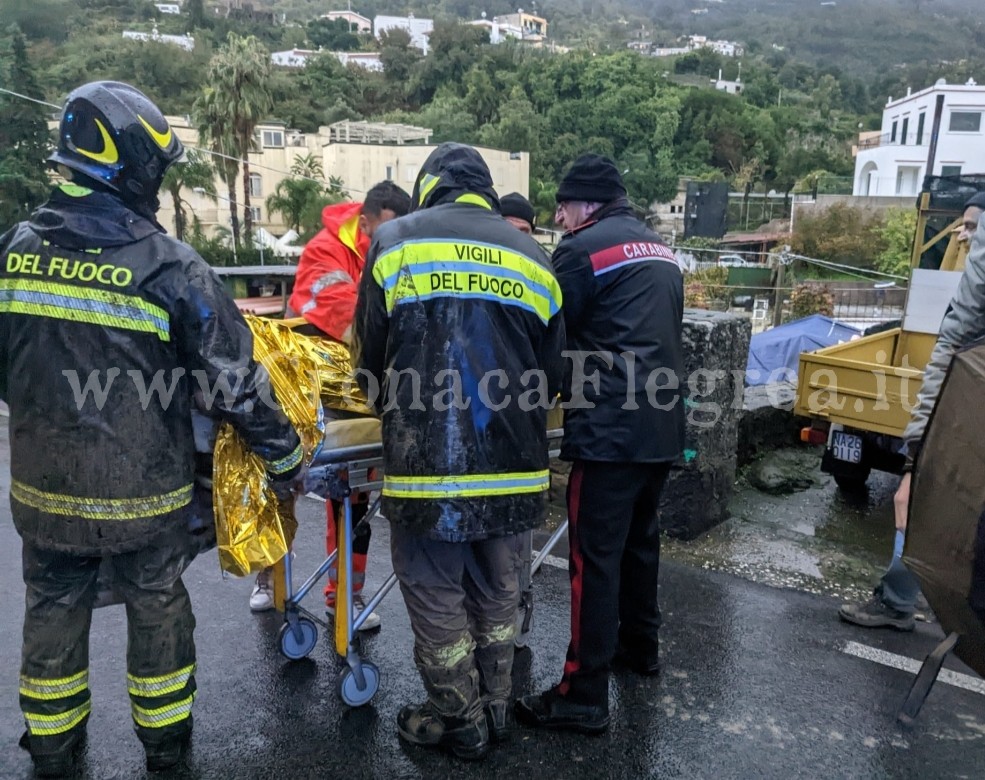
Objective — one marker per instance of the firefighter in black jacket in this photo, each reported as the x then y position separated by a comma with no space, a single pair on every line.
107,327
623,428
458,303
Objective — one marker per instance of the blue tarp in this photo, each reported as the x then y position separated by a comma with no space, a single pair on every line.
780,347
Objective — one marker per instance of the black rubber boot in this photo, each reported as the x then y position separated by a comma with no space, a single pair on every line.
423,725
170,752
495,664
60,763
452,719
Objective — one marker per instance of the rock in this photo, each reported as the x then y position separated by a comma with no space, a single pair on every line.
716,349
783,472
767,421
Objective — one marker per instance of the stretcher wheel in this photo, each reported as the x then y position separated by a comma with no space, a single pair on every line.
349,689
297,647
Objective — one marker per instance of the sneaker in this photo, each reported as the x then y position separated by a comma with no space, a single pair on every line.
262,598
875,614
372,620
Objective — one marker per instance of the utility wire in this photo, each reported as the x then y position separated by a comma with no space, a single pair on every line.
26,97
203,149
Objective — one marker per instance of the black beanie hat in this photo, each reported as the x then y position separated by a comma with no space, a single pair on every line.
977,200
515,205
591,178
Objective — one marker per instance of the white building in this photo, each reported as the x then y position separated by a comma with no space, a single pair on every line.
185,42
370,60
168,8
498,32
357,22
893,162
293,58
418,29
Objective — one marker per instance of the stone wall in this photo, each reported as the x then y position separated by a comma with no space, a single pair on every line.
716,348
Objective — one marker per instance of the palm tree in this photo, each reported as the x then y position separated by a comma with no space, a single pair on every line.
308,165
214,130
292,200
194,174
239,82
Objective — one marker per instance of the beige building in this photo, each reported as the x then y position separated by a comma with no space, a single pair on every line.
360,154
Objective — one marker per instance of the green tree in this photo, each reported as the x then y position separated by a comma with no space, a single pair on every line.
332,35
842,234
239,87
292,199
196,15
24,138
897,233
215,130
196,173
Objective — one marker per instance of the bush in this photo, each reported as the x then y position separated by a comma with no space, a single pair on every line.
706,288
811,298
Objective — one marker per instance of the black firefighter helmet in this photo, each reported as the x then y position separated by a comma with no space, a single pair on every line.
114,135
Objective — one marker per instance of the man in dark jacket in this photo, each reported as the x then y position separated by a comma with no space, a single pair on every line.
107,328
454,296
623,428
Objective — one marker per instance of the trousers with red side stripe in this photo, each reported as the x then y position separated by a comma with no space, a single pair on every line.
614,538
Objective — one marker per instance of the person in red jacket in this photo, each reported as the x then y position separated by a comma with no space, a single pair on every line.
325,291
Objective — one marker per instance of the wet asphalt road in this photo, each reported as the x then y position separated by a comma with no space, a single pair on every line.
755,684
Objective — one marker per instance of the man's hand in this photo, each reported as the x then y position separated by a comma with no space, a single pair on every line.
901,501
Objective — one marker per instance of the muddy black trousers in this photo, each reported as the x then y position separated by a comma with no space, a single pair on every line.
614,538
54,681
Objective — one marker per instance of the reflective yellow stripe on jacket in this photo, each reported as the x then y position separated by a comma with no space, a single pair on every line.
421,270
83,304
100,508
466,486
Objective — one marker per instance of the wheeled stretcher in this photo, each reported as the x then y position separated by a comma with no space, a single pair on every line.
351,462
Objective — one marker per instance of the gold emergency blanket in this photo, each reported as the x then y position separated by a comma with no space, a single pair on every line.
253,529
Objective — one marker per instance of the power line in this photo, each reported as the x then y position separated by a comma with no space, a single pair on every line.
27,97
212,152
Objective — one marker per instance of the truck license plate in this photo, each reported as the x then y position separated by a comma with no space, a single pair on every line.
847,447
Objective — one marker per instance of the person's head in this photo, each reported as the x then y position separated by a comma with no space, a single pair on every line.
112,137
457,173
591,182
972,213
385,201
517,210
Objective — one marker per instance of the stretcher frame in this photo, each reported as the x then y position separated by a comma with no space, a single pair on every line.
337,474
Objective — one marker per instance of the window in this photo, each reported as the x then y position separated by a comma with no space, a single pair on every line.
256,185
892,134
255,213
389,173
273,138
920,123
965,121
950,170
905,130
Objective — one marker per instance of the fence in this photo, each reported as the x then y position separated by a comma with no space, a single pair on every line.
862,307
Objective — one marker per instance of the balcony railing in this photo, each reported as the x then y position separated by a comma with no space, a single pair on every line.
887,139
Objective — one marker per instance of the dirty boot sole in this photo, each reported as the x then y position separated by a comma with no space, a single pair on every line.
447,744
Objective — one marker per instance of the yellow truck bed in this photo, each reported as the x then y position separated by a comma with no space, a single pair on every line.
869,384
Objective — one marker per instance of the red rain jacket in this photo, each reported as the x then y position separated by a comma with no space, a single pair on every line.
331,265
